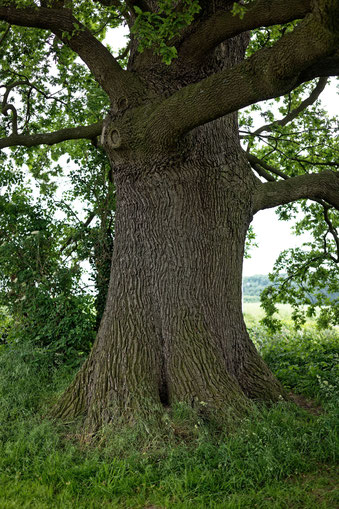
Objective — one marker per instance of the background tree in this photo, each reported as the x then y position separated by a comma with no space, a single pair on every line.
186,190
44,242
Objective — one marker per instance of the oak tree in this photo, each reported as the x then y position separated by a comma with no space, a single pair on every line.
165,112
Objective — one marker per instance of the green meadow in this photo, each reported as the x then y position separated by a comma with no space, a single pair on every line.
253,312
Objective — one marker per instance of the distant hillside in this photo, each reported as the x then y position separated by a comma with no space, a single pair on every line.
252,286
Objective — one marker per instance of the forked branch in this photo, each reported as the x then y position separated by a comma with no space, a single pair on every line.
224,25
269,73
115,81
6,107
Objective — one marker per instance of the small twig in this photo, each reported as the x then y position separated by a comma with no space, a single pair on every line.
332,231
302,269
298,160
75,237
276,149
26,82
28,107
124,54
10,87
314,163
255,160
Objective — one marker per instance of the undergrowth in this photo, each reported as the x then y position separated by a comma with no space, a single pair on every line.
305,361
277,457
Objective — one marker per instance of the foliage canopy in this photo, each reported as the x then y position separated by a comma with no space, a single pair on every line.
51,162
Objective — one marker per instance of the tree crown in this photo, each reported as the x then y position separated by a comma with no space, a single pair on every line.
55,104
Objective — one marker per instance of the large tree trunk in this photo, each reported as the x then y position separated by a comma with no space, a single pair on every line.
173,328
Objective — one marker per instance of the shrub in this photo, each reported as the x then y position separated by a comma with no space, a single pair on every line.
305,361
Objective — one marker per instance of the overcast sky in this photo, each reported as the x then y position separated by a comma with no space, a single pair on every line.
273,235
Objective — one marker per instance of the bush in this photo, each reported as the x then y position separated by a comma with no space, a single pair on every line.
40,287
305,361
63,326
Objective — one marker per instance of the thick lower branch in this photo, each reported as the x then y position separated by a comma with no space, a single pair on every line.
270,72
324,185
69,133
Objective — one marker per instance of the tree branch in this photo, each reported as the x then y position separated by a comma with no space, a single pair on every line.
260,162
323,186
325,67
224,25
262,173
270,72
115,81
294,113
6,106
69,133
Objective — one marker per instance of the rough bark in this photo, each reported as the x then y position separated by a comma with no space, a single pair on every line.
102,258
173,328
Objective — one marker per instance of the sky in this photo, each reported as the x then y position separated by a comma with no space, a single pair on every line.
272,235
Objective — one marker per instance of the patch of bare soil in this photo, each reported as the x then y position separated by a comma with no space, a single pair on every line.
307,404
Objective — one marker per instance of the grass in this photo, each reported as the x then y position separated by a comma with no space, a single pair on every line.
253,312
279,457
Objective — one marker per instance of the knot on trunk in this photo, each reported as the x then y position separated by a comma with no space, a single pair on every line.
115,138
122,104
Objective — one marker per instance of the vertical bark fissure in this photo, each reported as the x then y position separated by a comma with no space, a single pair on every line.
173,329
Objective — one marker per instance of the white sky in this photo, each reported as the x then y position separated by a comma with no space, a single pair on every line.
273,235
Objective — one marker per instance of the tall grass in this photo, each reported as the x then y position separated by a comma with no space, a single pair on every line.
269,459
